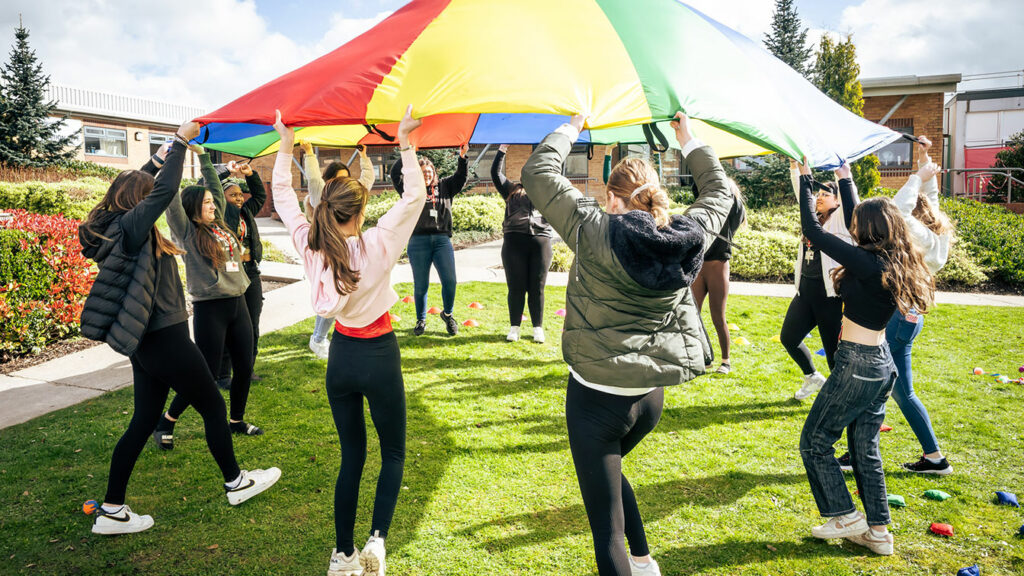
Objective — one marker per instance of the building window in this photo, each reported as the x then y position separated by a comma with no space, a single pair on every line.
106,142
898,154
577,165
156,141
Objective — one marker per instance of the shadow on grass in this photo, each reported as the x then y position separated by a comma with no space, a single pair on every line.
656,501
696,417
697,559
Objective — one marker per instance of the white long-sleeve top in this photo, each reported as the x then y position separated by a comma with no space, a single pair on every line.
935,246
374,258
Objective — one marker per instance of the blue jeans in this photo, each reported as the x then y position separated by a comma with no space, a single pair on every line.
320,328
853,398
900,335
436,249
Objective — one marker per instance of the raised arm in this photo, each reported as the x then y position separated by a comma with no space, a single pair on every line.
848,197
314,179
366,176
606,169
394,228
498,172
563,206
257,192
714,202
285,201
856,260
396,176
137,222
453,184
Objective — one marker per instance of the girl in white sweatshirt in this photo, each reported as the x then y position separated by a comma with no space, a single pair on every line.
350,274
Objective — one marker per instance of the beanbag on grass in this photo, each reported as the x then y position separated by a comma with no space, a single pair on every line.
941,529
896,500
936,495
969,571
1007,499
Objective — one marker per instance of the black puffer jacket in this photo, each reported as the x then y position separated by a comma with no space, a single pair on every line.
118,308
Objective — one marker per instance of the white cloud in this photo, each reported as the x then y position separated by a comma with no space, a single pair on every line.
195,52
902,37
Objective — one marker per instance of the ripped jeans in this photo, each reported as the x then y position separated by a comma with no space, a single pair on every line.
853,398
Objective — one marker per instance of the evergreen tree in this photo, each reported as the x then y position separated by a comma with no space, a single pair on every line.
787,41
28,136
836,73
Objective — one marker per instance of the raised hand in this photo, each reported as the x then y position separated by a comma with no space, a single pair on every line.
805,169
188,130
844,170
407,126
307,146
162,151
463,150
681,125
503,148
245,169
578,121
287,134
928,171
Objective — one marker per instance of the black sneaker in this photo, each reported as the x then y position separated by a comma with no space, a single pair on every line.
844,463
421,326
926,466
450,324
245,429
164,434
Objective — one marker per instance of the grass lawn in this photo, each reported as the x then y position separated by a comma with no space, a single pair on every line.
489,486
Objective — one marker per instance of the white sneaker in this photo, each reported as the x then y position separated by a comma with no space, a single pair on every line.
320,349
881,545
513,334
373,556
812,383
538,334
841,527
649,569
123,522
342,565
252,483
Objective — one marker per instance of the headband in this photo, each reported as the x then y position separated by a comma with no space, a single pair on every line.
641,188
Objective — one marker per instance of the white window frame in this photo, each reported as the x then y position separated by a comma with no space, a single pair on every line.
101,133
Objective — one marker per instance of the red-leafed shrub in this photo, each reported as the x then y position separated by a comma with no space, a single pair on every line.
44,280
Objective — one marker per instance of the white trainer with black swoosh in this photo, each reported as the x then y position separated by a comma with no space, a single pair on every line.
252,483
124,521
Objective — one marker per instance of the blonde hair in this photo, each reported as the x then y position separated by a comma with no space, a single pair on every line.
636,183
931,216
343,199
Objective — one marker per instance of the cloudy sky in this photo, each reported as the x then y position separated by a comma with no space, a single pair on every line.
208,52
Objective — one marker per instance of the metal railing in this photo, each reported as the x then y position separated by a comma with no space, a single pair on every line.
976,182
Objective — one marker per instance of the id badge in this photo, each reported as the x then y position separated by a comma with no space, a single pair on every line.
433,213
232,266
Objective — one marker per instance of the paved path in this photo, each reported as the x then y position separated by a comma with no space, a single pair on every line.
66,381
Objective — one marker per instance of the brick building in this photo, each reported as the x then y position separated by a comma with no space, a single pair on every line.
912,105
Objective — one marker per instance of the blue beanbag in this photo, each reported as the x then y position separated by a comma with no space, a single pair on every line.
1007,499
969,571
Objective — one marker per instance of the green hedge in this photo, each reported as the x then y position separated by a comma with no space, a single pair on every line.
764,254
995,235
72,198
477,212
561,257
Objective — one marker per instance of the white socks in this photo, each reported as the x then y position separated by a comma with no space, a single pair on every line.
112,508
234,483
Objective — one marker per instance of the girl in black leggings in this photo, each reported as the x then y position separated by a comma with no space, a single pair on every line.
217,281
525,253
351,275
816,302
138,307
632,270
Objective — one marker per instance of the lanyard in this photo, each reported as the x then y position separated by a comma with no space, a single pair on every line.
241,228
225,241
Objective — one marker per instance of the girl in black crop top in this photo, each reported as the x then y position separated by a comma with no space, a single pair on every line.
884,271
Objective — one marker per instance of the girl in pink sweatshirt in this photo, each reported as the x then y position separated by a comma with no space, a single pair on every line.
350,275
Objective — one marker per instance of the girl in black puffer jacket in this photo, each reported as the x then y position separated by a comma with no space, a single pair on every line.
137,306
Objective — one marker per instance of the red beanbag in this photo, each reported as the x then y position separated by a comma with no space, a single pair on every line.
941,529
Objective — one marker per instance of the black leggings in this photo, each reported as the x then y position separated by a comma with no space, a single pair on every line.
370,368
254,303
216,323
167,359
812,307
602,429
526,260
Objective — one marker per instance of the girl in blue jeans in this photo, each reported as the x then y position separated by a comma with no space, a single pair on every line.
431,241
918,202
884,272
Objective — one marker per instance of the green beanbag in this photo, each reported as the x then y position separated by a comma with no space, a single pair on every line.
936,495
897,501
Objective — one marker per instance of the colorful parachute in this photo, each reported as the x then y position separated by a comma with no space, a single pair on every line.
508,71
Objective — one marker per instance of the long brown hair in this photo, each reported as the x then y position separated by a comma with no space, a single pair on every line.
632,173
424,161
343,199
206,240
125,193
879,227
932,216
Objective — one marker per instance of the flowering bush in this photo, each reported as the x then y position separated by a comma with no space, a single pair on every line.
44,280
